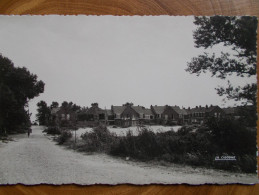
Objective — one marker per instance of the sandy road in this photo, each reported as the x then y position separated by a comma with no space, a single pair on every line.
38,159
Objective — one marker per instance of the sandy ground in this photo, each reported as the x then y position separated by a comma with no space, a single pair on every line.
38,159
123,131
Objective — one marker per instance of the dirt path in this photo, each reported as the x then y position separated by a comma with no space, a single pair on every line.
38,159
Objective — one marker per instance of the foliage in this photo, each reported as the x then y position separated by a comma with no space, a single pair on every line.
54,105
194,146
64,136
43,115
191,145
70,106
228,134
53,130
17,87
100,139
238,34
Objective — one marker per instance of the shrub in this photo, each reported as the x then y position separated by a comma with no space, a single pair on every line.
144,146
54,130
171,123
64,136
193,145
100,139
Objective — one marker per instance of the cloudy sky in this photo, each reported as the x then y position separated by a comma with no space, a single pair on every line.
110,59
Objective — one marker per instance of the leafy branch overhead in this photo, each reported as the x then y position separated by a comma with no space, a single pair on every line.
236,33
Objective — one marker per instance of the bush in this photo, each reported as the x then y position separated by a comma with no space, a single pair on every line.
193,145
52,130
171,123
64,136
100,139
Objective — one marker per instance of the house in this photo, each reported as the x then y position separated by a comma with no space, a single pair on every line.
145,115
63,116
158,111
165,114
199,115
129,115
92,116
109,117
96,115
148,115
181,115
117,111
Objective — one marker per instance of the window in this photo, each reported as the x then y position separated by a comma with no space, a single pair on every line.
68,116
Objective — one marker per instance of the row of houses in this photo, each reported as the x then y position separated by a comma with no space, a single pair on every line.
130,115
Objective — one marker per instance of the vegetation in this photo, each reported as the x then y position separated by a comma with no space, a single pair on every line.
44,112
99,140
53,130
17,87
43,115
191,145
64,136
238,34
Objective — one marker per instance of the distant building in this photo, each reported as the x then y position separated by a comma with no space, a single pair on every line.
130,115
63,116
198,115
181,115
117,111
169,114
92,116
238,112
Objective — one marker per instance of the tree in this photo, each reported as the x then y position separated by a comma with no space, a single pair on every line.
54,105
43,115
238,34
17,87
64,104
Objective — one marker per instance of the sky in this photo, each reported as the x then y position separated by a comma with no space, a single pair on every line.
111,59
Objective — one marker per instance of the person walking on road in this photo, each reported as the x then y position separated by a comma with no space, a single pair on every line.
29,132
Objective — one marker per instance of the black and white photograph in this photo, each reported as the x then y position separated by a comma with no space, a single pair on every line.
128,100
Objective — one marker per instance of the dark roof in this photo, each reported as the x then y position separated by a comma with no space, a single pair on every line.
202,109
159,109
118,109
139,109
148,111
179,110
